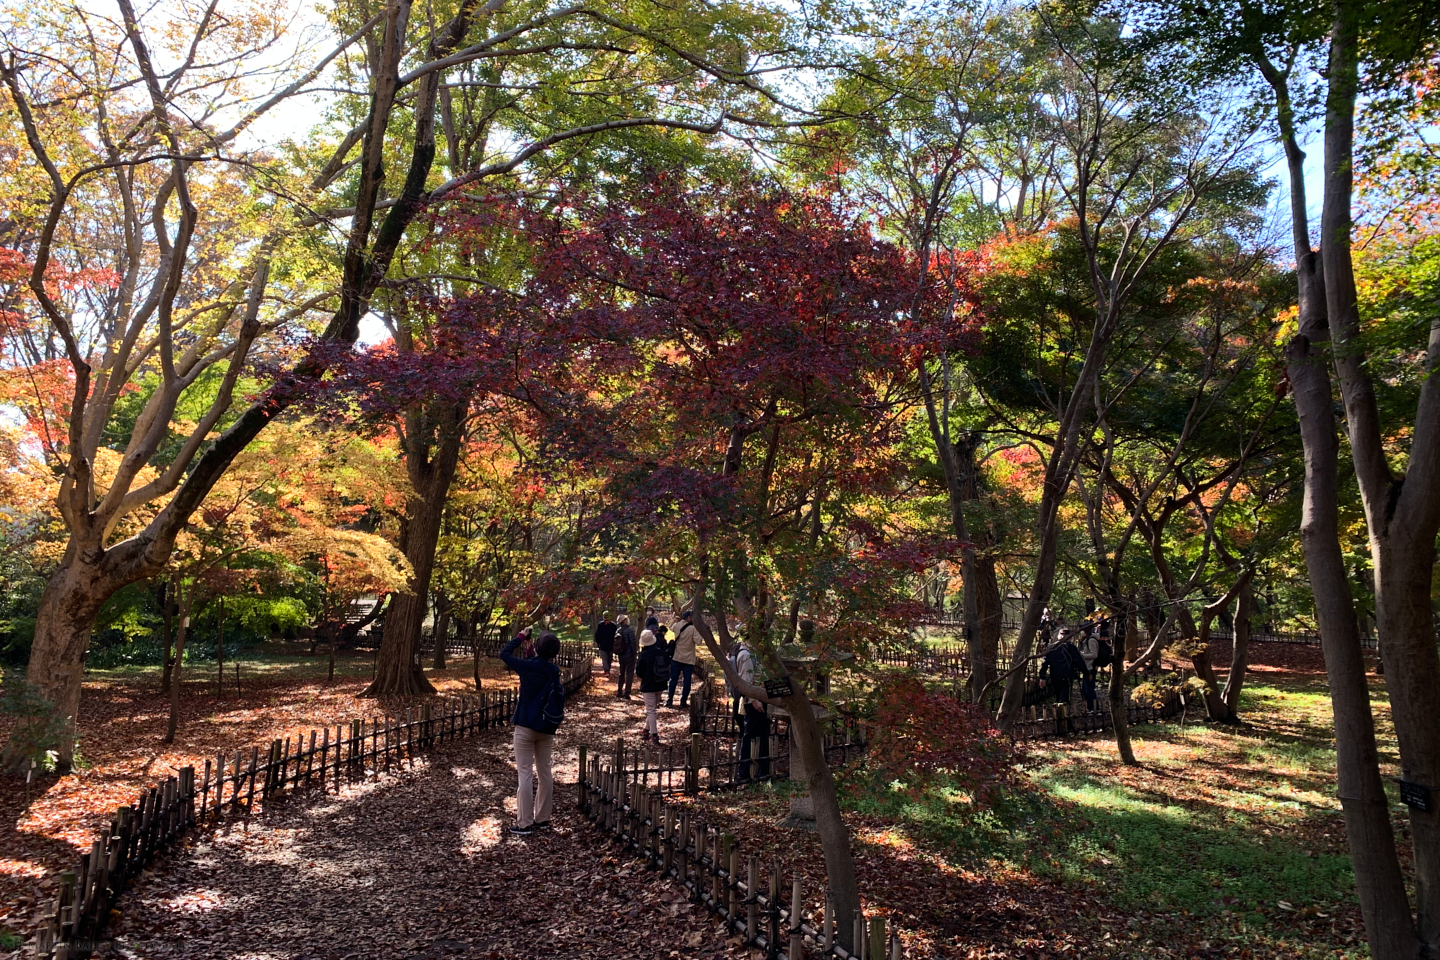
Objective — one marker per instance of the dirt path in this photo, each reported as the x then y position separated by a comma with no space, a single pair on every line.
418,864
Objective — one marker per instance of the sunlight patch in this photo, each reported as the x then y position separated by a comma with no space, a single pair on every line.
481,836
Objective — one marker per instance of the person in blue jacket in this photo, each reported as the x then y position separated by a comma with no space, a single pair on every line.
534,735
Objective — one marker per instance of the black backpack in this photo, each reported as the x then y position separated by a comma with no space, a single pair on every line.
553,711
660,666
1106,656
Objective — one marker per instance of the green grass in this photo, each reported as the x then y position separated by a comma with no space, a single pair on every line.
1230,834
1148,853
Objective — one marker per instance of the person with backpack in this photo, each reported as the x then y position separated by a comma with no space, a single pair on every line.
605,641
683,657
626,650
654,671
539,711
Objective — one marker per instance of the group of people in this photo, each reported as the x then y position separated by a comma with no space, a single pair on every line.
663,657
1072,653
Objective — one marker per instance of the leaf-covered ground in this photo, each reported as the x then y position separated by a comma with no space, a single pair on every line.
419,864
122,722
1223,843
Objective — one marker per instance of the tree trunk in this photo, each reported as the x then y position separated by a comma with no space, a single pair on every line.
829,822
1240,650
175,678
442,628
167,604
1119,706
1402,513
991,611
63,624
1389,926
220,651
397,669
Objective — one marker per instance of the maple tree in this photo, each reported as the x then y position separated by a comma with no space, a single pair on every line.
754,348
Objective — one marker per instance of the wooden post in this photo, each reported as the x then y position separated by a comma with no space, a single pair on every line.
752,904
716,861
877,939
797,938
580,783
187,794
896,952
772,912
692,765
732,878
827,930
859,934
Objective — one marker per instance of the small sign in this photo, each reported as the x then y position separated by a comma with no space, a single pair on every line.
1413,795
776,689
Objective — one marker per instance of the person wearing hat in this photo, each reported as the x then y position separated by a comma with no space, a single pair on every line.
652,682
683,656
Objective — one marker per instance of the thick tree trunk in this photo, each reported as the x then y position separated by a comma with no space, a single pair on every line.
1389,926
397,668
63,623
991,612
1402,513
1240,649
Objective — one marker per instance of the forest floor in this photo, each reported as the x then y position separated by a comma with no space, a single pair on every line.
1224,842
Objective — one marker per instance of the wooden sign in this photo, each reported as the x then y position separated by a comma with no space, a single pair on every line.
1414,795
779,688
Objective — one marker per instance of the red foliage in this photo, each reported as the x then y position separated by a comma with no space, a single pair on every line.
923,736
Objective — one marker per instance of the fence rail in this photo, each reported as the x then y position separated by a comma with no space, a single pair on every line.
164,814
709,864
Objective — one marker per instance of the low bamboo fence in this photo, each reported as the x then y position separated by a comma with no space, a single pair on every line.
168,812
739,890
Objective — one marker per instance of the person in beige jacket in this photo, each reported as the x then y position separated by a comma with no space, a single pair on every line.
683,656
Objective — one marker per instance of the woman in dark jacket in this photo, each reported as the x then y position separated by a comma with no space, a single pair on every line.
654,675
534,737
626,652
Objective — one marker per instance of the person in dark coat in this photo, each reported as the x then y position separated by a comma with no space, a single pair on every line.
534,747
605,641
1059,668
654,675
626,651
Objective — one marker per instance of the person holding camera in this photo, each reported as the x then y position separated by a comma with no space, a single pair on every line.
539,710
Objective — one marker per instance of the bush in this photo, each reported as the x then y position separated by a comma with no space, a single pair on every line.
939,767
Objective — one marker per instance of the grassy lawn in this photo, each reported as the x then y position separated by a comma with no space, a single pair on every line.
1220,838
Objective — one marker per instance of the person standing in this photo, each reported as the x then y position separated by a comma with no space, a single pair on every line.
1061,664
1089,654
653,667
535,722
753,718
605,641
683,656
626,651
